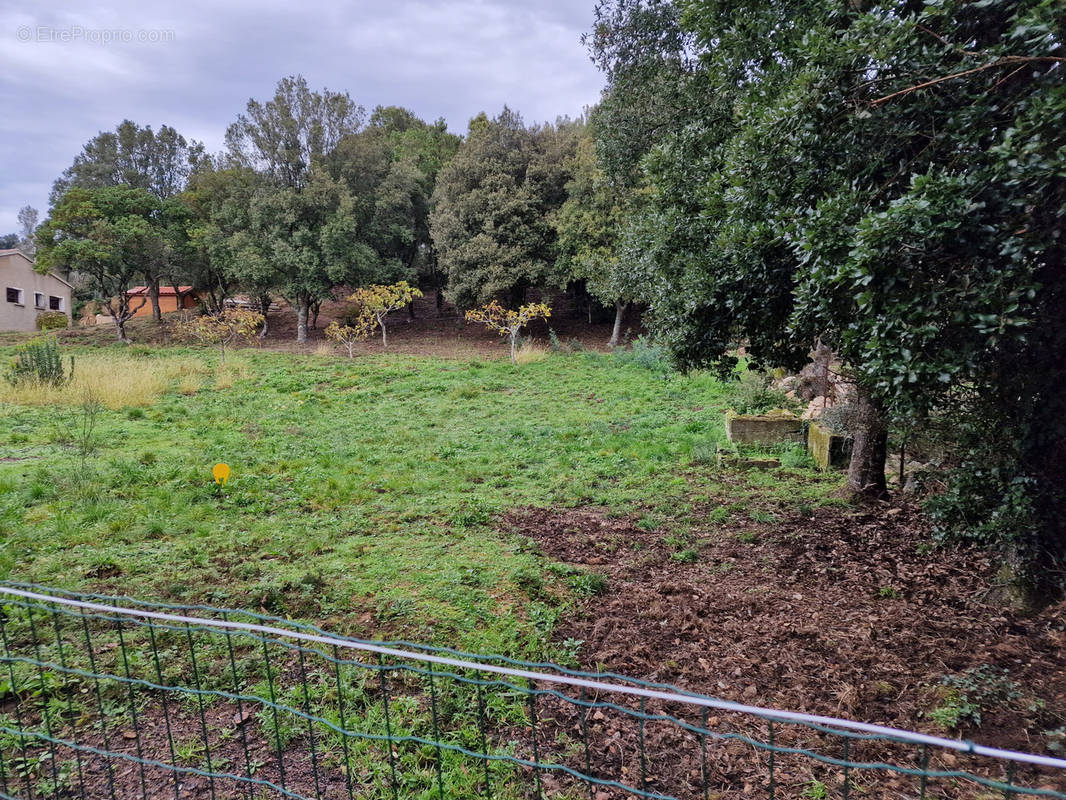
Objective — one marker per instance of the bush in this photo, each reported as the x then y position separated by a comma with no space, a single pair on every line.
752,393
38,362
51,320
644,352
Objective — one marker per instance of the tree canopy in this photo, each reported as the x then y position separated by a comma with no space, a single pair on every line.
887,179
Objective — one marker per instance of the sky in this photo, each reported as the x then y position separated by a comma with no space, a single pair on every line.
69,70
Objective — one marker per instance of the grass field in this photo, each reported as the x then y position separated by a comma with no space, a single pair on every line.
568,510
363,492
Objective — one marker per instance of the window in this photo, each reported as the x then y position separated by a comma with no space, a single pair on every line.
14,295
55,303
38,300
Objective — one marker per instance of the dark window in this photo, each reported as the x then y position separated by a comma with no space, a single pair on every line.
38,300
55,303
14,295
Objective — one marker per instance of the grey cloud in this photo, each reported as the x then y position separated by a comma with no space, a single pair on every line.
447,60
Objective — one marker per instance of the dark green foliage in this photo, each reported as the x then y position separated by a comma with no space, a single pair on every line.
110,234
889,179
39,362
493,205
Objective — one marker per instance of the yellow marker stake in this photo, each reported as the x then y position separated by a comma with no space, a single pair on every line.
221,473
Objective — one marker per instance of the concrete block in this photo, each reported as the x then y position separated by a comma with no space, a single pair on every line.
771,428
830,450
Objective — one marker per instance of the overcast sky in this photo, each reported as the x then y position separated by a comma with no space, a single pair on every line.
66,74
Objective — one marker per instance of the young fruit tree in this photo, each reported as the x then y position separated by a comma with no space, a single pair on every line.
347,335
375,303
224,329
505,321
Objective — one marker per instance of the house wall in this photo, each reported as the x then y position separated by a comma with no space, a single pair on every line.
166,303
16,272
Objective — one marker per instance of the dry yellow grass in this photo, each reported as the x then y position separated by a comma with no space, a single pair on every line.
111,379
530,353
235,369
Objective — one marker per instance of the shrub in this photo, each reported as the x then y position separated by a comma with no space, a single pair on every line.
38,362
644,352
51,320
752,393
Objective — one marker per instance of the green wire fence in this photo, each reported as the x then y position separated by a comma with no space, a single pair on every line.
104,697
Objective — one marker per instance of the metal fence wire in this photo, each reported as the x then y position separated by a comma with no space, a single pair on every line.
114,698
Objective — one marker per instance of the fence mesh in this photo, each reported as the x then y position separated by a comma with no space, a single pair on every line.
113,698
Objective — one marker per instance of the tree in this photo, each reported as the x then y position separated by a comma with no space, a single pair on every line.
887,180
222,250
309,240
507,322
107,234
493,206
9,241
224,328
28,219
288,135
160,162
590,226
391,167
346,335
375,303
305,228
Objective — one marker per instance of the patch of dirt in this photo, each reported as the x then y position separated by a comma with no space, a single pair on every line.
839,614
432,331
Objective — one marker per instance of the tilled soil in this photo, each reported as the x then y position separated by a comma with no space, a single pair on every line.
844,614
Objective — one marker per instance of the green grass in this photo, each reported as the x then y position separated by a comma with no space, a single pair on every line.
364,494
369,496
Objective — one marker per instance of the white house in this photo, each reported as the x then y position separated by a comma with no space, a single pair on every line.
27,292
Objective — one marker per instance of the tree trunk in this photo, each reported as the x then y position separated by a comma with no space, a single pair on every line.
440,301
384,333
619,318
153,294
315,308
514,338
866,472
264,308
301,319
120,328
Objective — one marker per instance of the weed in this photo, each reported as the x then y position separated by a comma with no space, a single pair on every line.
748,537
719,515
705,452
759,515
797,457
588,584
888,593
687,556
966,695
752,393
816,790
